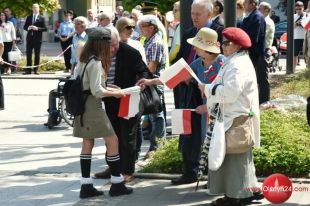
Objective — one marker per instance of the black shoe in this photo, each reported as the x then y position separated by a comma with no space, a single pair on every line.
119,189
37,73
183,180
88,190
26,73
256,196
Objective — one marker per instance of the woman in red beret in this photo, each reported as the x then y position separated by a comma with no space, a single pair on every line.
233,97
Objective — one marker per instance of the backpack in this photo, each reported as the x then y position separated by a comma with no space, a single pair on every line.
75,96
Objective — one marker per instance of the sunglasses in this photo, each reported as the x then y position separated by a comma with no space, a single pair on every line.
129,27
226,43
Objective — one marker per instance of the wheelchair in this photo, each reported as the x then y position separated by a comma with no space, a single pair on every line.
57,107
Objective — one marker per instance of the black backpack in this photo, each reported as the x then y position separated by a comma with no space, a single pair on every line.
75,96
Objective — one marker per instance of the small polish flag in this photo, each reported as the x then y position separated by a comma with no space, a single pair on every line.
177,73
181,121
129,104
306,23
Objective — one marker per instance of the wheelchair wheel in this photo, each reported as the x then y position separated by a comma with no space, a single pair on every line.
64,114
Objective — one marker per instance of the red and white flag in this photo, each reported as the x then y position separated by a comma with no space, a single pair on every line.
305,22
177,73
181,121
129,104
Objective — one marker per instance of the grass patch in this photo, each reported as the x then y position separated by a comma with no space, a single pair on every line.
298,84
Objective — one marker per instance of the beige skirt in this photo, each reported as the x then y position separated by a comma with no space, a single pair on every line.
96,123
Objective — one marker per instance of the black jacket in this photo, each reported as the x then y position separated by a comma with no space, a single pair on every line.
129,67
32,35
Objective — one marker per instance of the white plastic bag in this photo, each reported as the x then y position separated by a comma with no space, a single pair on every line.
217,148
15,55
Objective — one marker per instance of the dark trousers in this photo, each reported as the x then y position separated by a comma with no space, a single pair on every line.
261,69
126,131
5,56
190,167
1,95
36,46
52,97
67,54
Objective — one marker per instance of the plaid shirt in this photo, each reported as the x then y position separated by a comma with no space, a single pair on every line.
154,50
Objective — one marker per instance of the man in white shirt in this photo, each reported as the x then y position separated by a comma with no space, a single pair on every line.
91,16
299,31
265,9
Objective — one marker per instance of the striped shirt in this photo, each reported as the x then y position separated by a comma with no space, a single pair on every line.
111,74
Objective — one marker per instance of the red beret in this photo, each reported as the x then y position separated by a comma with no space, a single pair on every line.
237,36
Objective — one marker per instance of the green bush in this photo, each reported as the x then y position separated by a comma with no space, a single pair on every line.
285,148
166,159
50,67
285,145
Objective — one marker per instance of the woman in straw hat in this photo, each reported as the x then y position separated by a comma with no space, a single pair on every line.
206,68
234,92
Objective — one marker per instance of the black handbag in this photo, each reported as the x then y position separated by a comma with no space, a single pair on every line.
150,102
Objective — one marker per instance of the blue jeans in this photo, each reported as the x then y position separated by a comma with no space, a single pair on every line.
158,128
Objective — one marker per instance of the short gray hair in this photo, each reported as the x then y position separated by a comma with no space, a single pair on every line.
81,19
266,5
106,15
207,4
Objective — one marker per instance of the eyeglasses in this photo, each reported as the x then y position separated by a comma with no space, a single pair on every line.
129,27
226,43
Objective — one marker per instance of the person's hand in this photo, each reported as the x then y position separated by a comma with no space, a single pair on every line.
30,27
118,93
202,109
35,28
142,83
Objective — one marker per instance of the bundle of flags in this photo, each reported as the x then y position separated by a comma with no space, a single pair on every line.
129,104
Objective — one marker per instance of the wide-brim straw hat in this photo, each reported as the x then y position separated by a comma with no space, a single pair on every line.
206,39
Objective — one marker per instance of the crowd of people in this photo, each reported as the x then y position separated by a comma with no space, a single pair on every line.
118,51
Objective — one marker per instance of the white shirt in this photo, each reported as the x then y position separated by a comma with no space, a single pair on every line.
138,46
270,29
1,39
92,24
299,31
8,32
94,77
237,91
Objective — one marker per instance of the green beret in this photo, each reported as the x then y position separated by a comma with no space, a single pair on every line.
97,33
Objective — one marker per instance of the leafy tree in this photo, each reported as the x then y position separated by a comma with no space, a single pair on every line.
22,8
163,5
